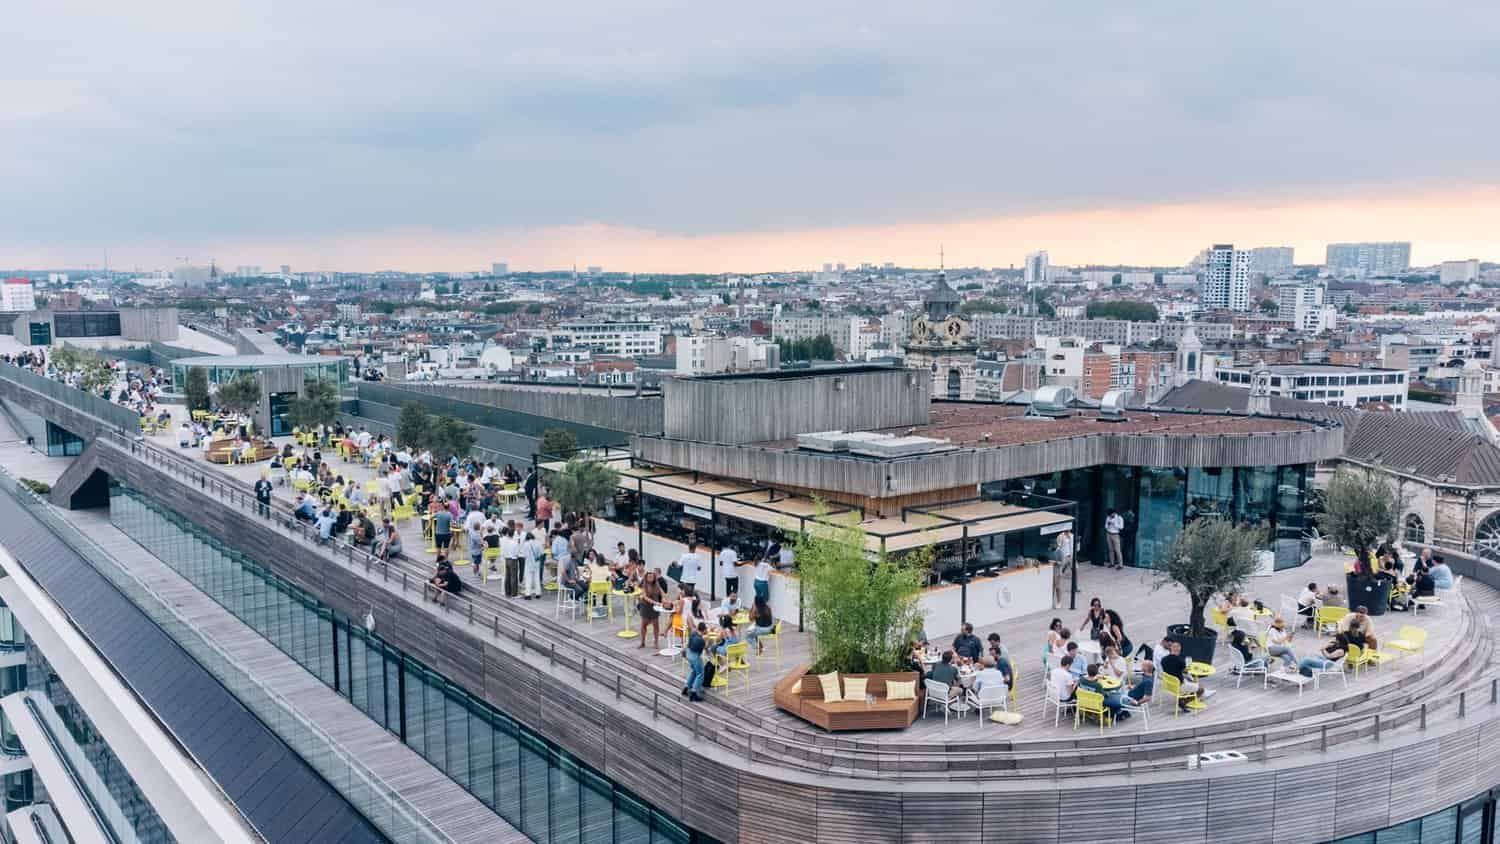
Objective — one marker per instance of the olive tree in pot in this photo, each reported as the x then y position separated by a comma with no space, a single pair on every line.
1209,557
1360,511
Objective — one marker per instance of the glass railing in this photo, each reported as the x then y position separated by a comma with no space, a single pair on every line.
363,788
121,417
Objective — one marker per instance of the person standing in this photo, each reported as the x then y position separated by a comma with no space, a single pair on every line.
510,556
1114,523
531,557
263,496
1063,568
763,578
690,563
530,488
729,560
695,647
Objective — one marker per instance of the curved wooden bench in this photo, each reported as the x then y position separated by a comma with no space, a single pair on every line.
800,694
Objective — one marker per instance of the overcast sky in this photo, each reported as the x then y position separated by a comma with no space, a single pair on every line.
693,136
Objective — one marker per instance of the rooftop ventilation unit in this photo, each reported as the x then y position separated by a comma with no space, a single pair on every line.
1051,402
832,441
891,447
1112,406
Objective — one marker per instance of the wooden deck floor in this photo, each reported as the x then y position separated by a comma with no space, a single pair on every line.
1145,609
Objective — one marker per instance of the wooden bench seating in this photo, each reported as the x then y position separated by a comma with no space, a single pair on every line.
219,453
805,700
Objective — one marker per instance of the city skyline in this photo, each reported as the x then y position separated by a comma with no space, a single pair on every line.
679,138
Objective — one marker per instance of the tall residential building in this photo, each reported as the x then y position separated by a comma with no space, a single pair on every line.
1451,272
1270,259
499,268
1036,267
1226,278
623,339
17,294
1369,259
1305,305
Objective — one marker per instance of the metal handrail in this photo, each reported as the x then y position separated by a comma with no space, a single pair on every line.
614,670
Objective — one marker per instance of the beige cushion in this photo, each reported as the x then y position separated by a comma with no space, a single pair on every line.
854,688
830,687
899,690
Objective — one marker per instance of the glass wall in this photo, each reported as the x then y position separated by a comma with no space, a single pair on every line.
1155,502
536,786
137,811
1470,822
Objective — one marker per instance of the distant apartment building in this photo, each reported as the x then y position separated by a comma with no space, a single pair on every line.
1226,279
1369,259
1037,268
1062,360
846,332
1339,386
349,312
17,294
989,327
247,271
706,354
996,379
1416,357
1306,306
1459,272
1270,259
499,268
621,339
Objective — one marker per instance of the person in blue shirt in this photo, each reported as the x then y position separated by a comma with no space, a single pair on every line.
1090,681
695,646
306,510
1140,693
1442,576
967,645
727,637
1080,665
325,524
442,529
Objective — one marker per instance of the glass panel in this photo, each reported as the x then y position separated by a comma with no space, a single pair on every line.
1210,493
456,744
481,755
632,820
596,810
507,800
1161,497
565,800
434,720
1407,833
1440,827
534,815
416,721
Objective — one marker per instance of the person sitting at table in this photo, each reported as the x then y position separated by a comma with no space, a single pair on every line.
1333,650
1242,616
762,622
1173,664
1113,665
447,582
692,606
990,675
1334,598
945,672
342,522
1307,601
1000,654
1140,693
914,653
568,576
1079,663
1064,683
390,548
1357,628
597,569
1092,681
1279,643
730,607
1057,639
306,510
727,636
967,645
1247,649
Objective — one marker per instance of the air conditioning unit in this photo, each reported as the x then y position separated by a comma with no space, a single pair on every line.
1112,406
1052,401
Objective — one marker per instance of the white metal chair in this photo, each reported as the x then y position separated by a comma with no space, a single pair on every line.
1141,709
1337,669
566,603
1255,667
992,696
1051,700
942,694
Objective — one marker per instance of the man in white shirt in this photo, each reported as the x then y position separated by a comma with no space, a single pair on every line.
621,556
1062,680
690,563
763,579
989,675
729,560
1113,524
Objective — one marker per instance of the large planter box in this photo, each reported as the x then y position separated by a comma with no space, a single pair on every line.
1198,650
1372,593
805,700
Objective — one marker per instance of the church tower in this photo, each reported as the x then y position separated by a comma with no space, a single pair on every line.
1189,357
941,343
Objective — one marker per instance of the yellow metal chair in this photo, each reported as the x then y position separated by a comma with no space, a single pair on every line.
1330,617
1409,640
1015,680
1172,690
1089,703
404,512
372,489
301,484
599,591
775,636
1218,618
488,558
737,658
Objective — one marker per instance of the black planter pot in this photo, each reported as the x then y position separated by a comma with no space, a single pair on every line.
1372,593
1198,649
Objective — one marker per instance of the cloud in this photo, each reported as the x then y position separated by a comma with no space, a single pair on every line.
188,122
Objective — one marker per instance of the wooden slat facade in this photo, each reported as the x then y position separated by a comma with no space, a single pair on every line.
750,409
